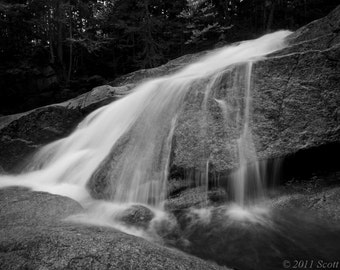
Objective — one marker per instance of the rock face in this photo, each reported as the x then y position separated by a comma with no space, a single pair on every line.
97,97
33,236
137,215
319,195
294,105
166,69
21,207
21,135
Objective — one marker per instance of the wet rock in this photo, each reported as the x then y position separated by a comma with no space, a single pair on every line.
169,231
97,97
324,26
137,215
166,69
175,186
42,240
21,135
21,207
319,196
294,103
196,197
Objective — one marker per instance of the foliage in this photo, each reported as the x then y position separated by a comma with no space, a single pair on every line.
81,38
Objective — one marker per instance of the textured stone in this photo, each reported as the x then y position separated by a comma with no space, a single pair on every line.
33,236
22,134
21,207
166,69
295,102
136,215
97,97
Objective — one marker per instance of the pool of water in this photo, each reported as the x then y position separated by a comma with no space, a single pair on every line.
260,238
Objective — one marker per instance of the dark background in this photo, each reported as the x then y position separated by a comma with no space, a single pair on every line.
53,50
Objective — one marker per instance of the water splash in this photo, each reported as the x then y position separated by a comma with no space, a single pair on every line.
247,180
133,135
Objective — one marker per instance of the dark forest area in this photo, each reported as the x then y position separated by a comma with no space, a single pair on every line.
53,50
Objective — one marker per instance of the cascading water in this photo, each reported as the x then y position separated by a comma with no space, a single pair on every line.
246,181
134,135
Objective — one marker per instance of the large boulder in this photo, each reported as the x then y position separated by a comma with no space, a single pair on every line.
136,215
295,102
35,235
21,207
22,134
166,69
318,195
97,97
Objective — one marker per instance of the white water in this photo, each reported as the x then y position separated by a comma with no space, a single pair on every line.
246,179
139,128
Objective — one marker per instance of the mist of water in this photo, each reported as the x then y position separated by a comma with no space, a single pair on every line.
139,128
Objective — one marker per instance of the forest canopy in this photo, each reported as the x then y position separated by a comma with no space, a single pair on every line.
83,38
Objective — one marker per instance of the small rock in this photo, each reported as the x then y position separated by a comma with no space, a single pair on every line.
137,215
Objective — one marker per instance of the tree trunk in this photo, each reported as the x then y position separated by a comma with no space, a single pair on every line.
71,46
60,52
50,37
271,16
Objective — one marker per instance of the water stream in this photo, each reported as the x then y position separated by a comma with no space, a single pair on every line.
138,129
128,144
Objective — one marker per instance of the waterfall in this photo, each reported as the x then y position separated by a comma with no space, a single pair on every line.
128,142
246,181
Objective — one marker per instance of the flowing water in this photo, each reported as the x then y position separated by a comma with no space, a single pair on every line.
139,129
247,180
128,144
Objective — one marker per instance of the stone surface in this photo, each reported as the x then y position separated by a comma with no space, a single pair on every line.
166,69
21,207
22,134
97,97
33,236
196,197
137,215
318,195
297,106
295,101
324,26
